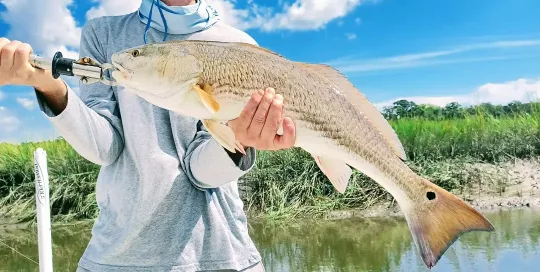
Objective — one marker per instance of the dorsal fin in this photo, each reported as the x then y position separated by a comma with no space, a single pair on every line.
361,102
256,47
248,46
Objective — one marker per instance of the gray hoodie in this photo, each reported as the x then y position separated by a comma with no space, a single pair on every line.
167,191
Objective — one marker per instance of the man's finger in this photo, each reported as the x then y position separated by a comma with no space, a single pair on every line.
7,55
244,120
21,56
3,42
288,138
257,123
273,119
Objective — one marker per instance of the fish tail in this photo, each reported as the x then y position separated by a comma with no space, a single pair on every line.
438,219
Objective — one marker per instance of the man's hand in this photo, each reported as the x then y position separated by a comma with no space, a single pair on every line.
258,124
16,70
14,66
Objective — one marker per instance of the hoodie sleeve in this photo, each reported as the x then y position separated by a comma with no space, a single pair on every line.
91,121
209,164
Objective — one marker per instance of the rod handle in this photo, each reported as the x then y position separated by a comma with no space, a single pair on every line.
58,65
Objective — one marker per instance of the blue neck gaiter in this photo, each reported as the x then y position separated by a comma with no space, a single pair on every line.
176,19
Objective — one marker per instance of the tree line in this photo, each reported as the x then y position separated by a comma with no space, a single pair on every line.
409,109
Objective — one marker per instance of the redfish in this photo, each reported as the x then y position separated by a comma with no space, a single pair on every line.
335,123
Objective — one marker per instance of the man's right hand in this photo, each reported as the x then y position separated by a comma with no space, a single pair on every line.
16,70
14,66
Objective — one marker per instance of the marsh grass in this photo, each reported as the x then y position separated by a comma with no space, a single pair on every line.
72,180
479,136
288,183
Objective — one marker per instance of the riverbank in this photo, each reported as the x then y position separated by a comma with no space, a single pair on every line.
514,184
473,157
488,187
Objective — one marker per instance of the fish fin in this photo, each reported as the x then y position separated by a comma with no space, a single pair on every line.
260,48
256,47
360,101
208,88
265,49
436,220
224,135
206,98
336,171
224,44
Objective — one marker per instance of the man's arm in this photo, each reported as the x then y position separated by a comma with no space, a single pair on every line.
91,123
209,165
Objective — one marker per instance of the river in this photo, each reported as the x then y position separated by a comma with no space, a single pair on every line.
340,245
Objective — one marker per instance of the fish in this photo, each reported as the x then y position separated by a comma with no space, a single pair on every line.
337,124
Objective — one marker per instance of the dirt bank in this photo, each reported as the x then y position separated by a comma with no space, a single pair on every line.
507,185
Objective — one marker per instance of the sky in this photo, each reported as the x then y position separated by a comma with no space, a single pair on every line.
426,51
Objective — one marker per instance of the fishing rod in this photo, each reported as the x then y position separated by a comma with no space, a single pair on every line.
88,70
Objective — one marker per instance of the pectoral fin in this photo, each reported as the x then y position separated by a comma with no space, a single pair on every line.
336,171
208,101
224,136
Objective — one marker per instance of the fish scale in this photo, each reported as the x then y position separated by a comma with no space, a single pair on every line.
334,121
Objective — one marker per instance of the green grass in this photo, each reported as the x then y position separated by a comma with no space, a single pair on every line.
288,183
482,137
72,181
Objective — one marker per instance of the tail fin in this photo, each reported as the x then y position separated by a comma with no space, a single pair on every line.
438,218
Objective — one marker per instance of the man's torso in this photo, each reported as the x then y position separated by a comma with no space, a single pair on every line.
151,217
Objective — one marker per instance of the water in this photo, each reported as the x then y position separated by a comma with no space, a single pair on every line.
346,245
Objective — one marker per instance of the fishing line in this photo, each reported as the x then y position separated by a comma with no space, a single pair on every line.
12,248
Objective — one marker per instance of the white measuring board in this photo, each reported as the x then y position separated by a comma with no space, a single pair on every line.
43,211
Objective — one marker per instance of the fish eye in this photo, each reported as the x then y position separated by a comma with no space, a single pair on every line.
135,53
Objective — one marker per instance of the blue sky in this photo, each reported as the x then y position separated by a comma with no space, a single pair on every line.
428,51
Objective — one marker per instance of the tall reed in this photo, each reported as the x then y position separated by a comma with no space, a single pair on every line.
288,182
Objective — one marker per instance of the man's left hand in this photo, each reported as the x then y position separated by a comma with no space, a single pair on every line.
258,124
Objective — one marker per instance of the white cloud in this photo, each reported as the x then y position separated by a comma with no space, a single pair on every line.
350,36
26,103
8,121
300,15
240,18
309,14
47,25
113,8
351,64
524,90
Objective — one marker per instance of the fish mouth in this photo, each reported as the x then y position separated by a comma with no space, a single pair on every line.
121,68
126,73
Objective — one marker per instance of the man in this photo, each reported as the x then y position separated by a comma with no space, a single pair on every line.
167,191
